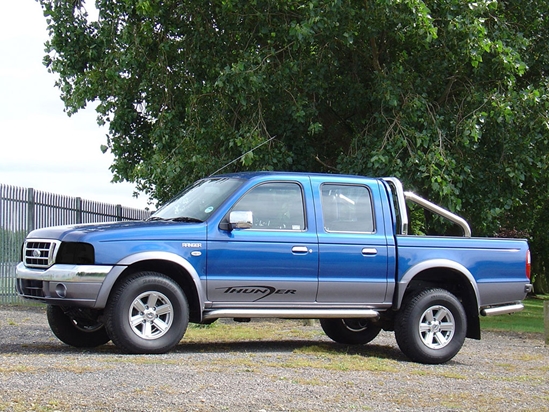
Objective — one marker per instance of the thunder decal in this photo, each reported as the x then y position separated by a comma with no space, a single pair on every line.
263,291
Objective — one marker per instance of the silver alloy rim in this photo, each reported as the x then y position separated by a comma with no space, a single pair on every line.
437,327
151,315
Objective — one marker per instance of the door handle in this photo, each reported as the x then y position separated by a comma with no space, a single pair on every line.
369,251
300,249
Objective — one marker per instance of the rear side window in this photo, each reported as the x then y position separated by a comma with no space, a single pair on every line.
275,206
347,208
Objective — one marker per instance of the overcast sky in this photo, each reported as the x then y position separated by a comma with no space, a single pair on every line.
40,146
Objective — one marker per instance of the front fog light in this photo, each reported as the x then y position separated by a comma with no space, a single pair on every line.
61,290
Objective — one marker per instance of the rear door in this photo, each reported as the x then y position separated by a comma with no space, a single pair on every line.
353,249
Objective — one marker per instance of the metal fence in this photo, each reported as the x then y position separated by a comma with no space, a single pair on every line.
23,210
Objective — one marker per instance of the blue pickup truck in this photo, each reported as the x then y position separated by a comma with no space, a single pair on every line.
275,245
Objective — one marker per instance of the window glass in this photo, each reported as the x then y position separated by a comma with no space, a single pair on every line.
199,200
275,206
347,209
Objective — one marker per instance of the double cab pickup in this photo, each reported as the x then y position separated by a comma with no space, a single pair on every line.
275,245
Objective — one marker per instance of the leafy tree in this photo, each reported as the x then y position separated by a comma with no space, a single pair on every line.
448,95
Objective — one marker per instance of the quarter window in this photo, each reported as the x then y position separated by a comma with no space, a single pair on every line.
275,206
347,209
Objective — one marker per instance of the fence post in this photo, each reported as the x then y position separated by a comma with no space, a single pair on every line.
118,213
79,210
546,317
31,215
1,202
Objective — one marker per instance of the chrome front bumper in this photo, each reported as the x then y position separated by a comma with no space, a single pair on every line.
62,284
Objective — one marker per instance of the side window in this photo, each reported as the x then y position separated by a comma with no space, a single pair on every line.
347,209
275,206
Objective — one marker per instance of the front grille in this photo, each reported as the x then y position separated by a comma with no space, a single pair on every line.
40,253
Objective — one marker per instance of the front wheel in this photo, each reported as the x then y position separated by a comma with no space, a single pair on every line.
78,331
350,331
431,326
147,313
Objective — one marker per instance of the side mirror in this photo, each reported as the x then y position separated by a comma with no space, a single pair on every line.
241,220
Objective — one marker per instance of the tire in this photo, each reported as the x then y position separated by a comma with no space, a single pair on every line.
350,331
431,326
147,313
80,332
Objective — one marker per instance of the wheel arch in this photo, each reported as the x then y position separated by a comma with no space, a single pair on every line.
448,275
173,266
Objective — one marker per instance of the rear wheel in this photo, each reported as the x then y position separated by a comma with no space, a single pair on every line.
431,326
350,331
147,313
78,331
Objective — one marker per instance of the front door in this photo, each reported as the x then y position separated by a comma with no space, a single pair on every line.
275,261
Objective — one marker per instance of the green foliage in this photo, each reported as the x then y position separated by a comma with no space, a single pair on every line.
448,95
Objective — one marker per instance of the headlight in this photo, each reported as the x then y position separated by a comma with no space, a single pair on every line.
75,253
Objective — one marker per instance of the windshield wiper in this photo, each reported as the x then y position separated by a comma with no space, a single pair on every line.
186,219
152,218
175,219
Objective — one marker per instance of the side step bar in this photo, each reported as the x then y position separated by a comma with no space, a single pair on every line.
502,310
291,313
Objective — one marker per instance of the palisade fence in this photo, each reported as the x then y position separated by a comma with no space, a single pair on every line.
25,209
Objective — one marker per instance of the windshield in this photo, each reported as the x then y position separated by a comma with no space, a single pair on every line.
197,202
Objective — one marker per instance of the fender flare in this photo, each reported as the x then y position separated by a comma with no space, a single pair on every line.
434,264
123,264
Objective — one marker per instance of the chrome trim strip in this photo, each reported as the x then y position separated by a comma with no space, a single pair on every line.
440,211
291,313
64,273
502,310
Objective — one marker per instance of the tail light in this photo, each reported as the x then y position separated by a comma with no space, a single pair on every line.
528,264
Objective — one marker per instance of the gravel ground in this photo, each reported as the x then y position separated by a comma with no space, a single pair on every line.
37,372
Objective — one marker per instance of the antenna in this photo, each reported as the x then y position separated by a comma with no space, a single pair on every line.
240,157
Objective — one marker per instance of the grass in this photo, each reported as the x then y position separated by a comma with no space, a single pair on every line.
71,367
253,331
38,405
321,356
312,356
529,320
